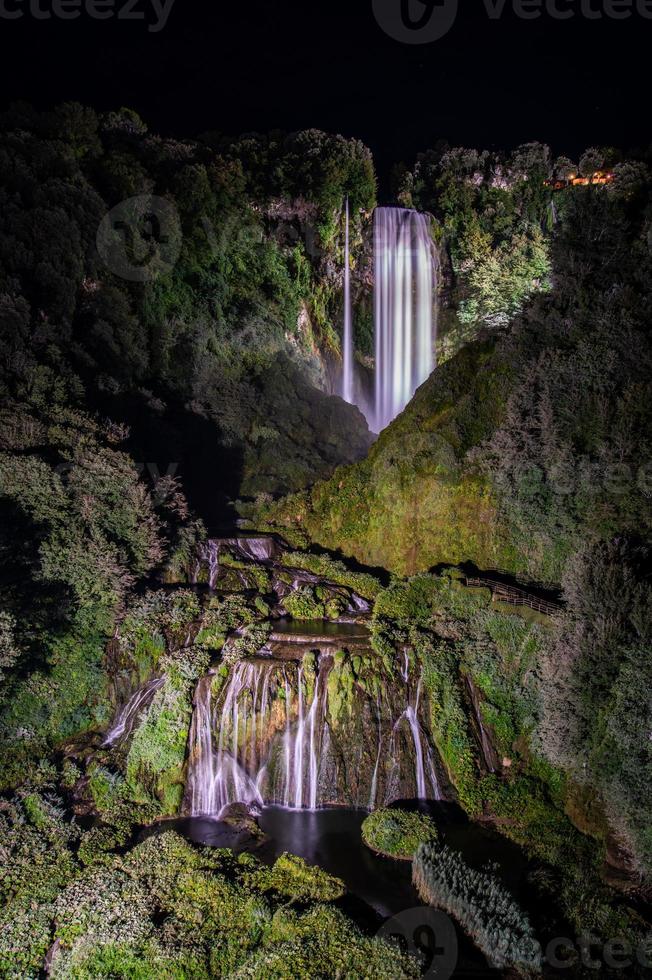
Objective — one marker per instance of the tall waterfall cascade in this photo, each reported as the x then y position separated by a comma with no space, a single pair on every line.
404,324
347,339
276,731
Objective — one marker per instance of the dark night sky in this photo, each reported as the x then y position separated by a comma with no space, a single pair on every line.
239,66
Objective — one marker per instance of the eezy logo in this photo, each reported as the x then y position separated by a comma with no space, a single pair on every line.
140,238
416,21
427,934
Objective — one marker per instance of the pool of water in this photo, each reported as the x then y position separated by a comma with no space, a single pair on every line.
378,887
318,628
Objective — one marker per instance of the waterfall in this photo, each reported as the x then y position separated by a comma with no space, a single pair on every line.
209,557
288,742
347,339
298,746
237,769
264,733
411,715
128,715
257,548
374,778
218,777
260,549
403,308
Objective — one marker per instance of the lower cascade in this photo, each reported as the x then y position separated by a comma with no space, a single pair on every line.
304,733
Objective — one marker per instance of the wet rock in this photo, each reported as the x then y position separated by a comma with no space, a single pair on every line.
241,818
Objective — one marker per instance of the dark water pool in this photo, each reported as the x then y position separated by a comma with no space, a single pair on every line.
378,887
319,628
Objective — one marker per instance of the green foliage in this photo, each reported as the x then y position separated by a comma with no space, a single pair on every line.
98,842
68,696
525,812
423,600
165,908
304,604
482,906
450,723
320,943
341,689
250,641
364,583
321,168
97,523
398,833
155,762
503,671
492,212
292,877
500,280
9,652
594,722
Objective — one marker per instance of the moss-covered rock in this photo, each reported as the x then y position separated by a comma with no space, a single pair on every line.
398,833
333,570
303,603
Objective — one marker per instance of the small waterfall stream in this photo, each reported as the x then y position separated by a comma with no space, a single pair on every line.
268,733
129,713
405,269
259,549
347,338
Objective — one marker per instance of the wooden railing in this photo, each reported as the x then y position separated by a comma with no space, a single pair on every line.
514,595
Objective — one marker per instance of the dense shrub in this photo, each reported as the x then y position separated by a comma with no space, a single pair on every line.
291,876
482,906
166,908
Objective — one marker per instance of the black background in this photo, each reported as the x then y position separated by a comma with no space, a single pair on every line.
238,66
